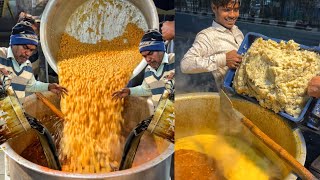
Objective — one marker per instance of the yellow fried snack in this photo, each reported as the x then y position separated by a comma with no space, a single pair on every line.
92,72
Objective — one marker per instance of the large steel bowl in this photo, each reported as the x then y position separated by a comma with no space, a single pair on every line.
57,13
156,168
198,113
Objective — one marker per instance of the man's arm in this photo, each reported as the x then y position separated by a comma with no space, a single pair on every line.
198,59
142,90
36,86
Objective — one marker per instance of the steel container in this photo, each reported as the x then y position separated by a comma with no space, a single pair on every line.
155,168
55,17
198,113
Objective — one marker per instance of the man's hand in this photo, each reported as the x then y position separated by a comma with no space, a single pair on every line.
167,30
121,94
57,89
170,76
5,77
4,71
314,87
233,59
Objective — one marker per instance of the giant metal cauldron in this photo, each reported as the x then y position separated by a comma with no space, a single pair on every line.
198,113
156,168
57,13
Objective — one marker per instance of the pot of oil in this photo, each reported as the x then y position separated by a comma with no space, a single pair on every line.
152,161
232,152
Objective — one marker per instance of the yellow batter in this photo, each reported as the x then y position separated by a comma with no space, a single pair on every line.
234,157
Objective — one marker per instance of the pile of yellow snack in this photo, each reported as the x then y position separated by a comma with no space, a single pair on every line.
277,75
92,72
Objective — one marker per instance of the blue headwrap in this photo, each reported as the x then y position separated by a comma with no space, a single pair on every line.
22,33
152,41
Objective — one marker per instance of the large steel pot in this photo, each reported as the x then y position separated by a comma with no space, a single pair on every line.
198,113
57,13
156,168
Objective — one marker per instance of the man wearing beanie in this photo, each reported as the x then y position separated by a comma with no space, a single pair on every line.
14,62
160,67
35,24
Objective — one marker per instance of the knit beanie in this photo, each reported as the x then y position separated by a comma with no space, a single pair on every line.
152,41
22,33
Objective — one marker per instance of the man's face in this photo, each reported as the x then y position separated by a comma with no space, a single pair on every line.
153,58
23,52
226,16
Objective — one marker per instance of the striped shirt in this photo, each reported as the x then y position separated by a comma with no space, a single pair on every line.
153,83
208,52
22,74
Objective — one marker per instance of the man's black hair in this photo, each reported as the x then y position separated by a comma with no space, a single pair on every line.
224,3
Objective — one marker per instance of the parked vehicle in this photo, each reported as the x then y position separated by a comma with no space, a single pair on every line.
254,10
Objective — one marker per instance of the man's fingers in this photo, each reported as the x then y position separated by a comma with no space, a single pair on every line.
120,94
64,91
235,65
4,71
116,95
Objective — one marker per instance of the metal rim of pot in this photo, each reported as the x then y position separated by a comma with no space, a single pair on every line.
299,138
30,165
48,33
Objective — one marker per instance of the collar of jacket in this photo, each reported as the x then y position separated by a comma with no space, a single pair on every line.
219,27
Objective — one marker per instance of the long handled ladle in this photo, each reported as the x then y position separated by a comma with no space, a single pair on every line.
227,108
49,104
